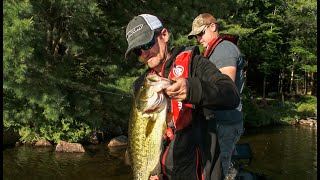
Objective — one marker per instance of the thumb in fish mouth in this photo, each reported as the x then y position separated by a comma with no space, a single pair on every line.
159,86
154,177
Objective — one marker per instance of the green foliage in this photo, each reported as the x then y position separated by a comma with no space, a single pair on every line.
307,106
259,112
27,134
55,56
64,69
182,40
16,39
307,110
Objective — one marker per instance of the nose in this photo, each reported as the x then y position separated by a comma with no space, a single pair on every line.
144,55
199,38
143,51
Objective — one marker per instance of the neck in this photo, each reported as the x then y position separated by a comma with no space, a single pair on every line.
209,47
159,69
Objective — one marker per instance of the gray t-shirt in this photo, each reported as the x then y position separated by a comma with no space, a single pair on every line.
227,54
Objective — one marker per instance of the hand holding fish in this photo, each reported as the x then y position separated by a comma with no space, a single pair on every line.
177,90
154,178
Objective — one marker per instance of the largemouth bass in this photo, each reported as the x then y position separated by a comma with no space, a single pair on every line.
147,126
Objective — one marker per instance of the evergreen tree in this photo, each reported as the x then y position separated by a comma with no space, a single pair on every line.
65,74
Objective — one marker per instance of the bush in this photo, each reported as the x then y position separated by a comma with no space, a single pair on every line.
259,112
308,110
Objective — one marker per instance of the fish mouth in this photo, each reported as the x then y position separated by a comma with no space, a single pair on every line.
159,83
154,100
156,105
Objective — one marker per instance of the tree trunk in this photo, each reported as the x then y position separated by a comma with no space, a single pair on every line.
264,87
291,78
305,82
313,85
281,75
309,82
279,82
297,86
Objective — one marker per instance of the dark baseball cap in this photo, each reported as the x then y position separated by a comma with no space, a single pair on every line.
140,30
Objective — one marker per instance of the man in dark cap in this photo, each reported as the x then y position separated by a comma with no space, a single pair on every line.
198,84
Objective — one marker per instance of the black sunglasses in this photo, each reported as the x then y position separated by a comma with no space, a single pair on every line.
145,47
203,31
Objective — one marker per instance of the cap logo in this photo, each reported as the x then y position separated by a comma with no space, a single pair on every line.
178,70
134,30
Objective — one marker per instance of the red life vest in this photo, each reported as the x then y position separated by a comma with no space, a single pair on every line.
181,112
212,45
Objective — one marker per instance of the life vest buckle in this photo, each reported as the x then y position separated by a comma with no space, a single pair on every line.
169,134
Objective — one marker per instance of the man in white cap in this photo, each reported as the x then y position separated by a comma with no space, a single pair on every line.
198,84
227,125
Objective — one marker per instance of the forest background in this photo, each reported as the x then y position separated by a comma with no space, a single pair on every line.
65,75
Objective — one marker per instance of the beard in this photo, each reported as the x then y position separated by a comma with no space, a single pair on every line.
157,60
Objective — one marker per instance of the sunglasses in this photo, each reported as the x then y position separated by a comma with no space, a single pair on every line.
145,47
203,31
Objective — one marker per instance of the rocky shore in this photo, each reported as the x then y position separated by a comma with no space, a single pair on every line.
311,122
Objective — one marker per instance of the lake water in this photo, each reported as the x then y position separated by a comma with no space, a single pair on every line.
279,153
284,152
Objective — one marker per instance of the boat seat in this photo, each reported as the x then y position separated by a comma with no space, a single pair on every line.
242,151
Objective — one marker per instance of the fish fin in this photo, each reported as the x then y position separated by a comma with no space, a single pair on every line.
150,126
127,158
156,170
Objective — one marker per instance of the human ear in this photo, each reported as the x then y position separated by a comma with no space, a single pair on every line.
213,27
165,34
